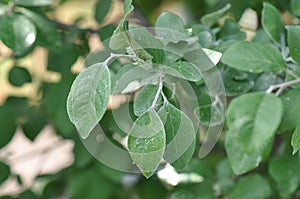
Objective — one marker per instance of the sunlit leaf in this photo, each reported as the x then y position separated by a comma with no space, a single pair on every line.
254,57
145,99
88,98
180,136
252,121
272,22
146,142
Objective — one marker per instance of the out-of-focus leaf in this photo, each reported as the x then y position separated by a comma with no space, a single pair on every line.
33,3
213,17
5,172
296,140
285,171
291,110
102,8
252,121
251,187
294,42
47,33
295,6
272,22
170,27
19,76
254,58
17,32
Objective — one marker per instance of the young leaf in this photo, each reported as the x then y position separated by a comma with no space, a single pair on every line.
33,3
102,8
180,136
146,142
213,17
294,42
296,140
170,27
148,42
47,33
291,110
17,32
272,22
88,98
144,99
252,121
254,58
251,187
295,6
285,171
119,38
184,70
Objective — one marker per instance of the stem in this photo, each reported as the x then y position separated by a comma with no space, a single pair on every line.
134,57
282,86
164,97
158,92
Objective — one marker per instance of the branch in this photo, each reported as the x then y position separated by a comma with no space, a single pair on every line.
67,27
282,86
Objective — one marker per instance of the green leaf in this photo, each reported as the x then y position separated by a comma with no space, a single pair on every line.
290,77
128,79
47,33
89,184
19,76
146,142
184,70
225,176
145,99
285,171
88,98
17,32
251,187
234,87
7,123
272,22
119,38
55,98
33,3
27,195
102,8
295,6
149,43
296,140
205,113
183,194
252,121
35,121
106,32
294,42
254,58
231,31
5,172
291,110
213,17
170,27
265,80
180,136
